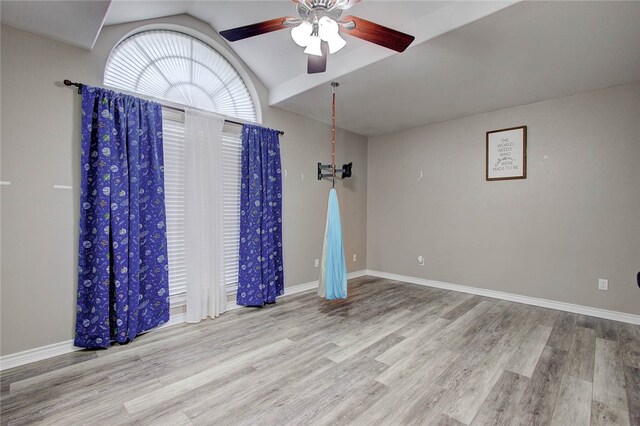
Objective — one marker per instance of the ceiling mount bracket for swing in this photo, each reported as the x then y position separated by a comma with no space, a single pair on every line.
345,171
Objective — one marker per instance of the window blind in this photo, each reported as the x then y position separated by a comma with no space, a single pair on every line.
231,170
174,180
177,67
174,186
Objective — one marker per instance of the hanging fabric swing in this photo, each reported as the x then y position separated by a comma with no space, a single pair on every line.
333,270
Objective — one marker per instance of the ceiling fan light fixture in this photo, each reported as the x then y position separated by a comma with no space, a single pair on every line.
336,43
302,33
328,31
327,27
313,48
317,29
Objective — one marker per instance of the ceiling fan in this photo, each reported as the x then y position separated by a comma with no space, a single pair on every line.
318,29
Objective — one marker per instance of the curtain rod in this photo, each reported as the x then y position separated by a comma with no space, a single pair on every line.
239,123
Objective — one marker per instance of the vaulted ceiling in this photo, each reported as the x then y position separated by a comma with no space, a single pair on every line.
468,57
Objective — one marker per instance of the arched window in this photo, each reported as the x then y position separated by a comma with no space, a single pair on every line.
176,67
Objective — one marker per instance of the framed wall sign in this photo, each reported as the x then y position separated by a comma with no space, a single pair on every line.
507,153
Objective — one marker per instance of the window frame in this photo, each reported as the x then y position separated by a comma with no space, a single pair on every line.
215,42
178,295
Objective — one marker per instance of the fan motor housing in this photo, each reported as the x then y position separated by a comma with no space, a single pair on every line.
317,9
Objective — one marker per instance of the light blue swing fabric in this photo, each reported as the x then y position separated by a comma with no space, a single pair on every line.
333,273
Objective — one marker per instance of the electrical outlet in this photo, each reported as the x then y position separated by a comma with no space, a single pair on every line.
317,263
603,284
355,258
421,260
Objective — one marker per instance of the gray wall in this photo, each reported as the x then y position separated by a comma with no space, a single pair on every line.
40,148
576,217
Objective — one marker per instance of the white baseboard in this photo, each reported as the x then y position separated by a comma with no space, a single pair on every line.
535,301
37,354
175,319
356,274
232,305
314,284
61,348
49,351
299,288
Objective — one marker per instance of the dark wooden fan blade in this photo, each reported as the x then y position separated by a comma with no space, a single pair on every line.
252,30
378,34
318,64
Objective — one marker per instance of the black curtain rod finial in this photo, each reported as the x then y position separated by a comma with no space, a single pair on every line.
68,82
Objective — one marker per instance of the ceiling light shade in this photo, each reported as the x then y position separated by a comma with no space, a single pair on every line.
327,27
328,31
336,43
313,48
302,33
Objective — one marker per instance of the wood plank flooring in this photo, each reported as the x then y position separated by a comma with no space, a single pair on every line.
392,354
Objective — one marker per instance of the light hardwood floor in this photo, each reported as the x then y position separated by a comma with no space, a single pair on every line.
390,354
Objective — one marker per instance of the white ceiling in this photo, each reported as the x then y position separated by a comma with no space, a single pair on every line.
274,57
468,57
73,22
277,61
526,53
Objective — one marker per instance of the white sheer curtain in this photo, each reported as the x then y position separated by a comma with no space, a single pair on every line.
206,296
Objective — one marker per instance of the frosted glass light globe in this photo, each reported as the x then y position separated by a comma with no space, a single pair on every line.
327,27
313,48
302,33
328,31
336,43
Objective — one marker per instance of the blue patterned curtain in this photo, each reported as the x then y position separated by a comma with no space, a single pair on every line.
260,274
122,269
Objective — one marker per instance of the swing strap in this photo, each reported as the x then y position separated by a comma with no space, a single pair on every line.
333,134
